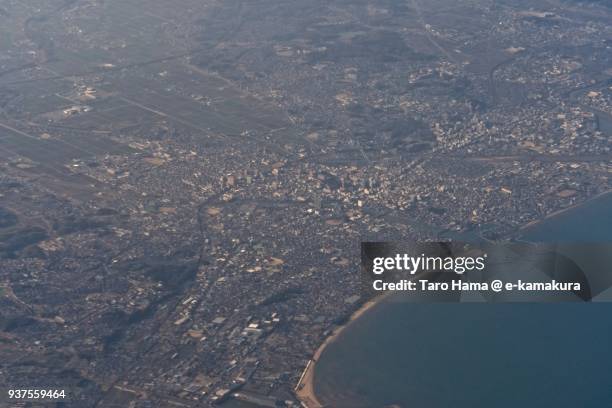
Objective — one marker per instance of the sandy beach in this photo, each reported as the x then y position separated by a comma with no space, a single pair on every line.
305,387
562,211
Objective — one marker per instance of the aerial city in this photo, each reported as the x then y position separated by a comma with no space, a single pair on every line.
184,184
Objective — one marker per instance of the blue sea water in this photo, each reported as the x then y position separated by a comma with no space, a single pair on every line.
476,355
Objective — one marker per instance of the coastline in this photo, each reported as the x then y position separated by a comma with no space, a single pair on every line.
304,390
562,211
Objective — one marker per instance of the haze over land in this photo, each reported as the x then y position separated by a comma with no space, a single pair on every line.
184,184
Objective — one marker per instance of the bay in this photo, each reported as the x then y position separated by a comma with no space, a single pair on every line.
476,355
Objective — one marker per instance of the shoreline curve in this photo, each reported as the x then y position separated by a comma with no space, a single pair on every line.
304,389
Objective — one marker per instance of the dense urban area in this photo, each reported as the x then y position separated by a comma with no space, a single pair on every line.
184,185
